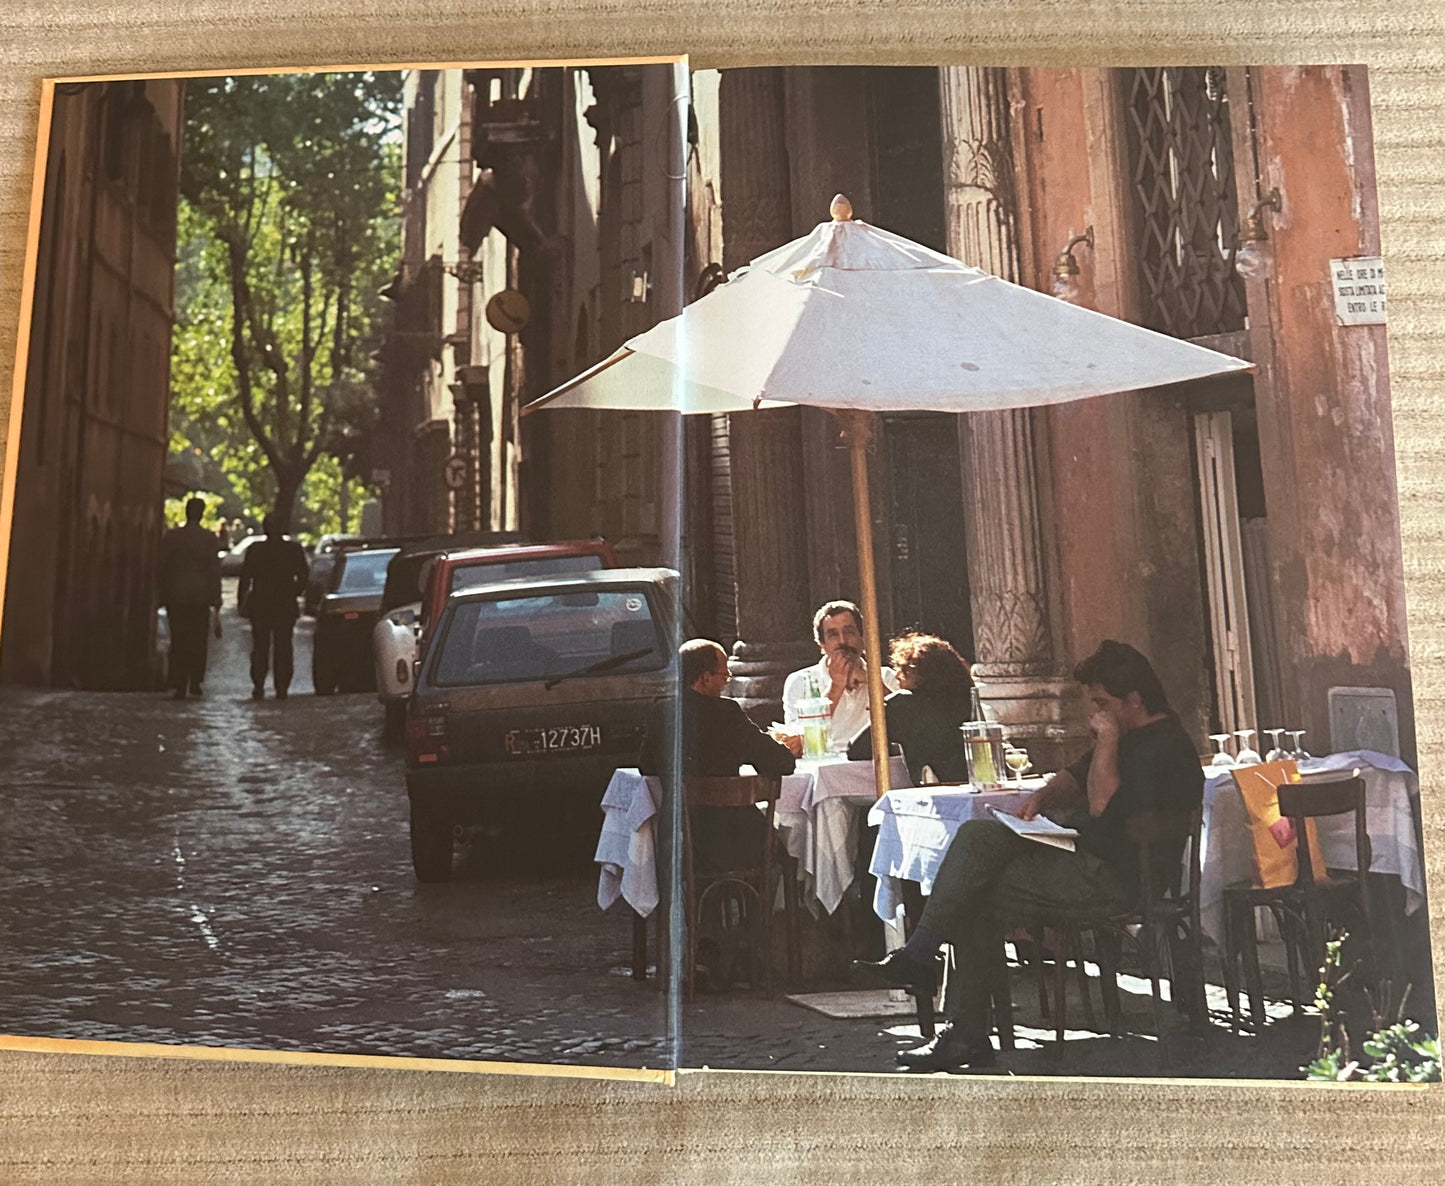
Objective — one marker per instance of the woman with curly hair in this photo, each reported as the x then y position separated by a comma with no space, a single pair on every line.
924,715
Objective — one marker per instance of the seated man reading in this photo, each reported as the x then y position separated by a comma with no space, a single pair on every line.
1142,760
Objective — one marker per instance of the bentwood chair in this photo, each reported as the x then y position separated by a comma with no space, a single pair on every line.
1163,926
1304,909
731,859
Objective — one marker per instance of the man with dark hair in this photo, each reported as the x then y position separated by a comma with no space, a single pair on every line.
1142,760
840,675
273,575
190,580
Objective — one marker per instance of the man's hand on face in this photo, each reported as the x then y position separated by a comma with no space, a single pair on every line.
839,665
1105,726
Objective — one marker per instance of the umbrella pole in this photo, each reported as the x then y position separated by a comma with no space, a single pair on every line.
858,431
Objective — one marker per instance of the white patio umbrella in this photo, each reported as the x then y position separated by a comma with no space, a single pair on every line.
858,320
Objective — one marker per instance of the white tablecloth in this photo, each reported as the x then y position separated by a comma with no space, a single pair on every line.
817,818
915,828
1390,788
627,848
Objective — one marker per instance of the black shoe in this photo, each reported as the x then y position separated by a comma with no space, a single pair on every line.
178,694
258,693
898,969
196,691
948,1048
280,693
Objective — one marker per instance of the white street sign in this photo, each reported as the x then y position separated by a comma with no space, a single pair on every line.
1359,287
455,472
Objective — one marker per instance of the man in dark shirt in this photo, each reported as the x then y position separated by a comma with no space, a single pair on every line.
1142,760
190,591
273,575
717,738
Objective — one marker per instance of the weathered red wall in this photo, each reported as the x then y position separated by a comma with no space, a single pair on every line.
1326,434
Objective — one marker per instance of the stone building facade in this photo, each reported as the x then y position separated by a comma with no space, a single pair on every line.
1243,532
86,519
557,194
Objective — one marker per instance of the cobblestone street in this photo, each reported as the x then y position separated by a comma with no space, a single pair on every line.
223,872
232,873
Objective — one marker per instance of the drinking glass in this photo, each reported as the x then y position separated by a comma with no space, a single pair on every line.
1276,754
1018,761
1222,759
1246,755
1299,754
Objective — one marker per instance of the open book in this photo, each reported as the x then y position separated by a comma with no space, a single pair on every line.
1040,828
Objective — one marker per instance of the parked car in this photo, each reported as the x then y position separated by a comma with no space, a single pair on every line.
323,560
341,648
530,694
427,577
231,561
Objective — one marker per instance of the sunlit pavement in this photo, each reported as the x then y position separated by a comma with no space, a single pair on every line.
227,872
224,872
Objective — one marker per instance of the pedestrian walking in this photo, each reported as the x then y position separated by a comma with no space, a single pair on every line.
273,575
190,589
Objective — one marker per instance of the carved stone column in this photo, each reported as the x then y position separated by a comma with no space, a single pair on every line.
765,448
1020,678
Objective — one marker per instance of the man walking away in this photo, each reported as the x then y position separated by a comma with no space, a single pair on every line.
190,580
273,575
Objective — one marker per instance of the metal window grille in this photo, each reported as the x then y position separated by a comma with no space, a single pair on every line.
1182,169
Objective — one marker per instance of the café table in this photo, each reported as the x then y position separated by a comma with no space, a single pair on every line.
915,827
818,819
1391,792
627,847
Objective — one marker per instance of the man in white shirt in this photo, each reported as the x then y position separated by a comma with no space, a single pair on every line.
840,674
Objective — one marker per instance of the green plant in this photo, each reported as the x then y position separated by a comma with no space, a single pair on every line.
1397,1053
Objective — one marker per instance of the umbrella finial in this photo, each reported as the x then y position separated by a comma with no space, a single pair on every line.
841,209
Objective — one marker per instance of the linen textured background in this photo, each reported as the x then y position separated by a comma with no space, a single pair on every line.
77,1118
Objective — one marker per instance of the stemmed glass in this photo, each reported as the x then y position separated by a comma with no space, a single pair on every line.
1276,754
1246,755
1300,754
1222,759
1018,761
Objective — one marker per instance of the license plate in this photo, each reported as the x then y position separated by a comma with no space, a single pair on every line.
560,739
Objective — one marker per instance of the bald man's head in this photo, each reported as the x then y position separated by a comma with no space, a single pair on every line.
704,666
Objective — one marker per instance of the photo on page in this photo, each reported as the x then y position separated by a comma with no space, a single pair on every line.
315,668
626,568
1088,492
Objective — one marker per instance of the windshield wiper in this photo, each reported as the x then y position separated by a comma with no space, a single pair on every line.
601,665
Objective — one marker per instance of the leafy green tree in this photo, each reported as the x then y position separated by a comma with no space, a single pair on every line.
289,226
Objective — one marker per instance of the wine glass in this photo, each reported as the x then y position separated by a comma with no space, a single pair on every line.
1300,754
1276,754
1222,759
1018,761
1247,755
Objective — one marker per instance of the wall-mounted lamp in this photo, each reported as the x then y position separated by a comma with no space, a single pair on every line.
1066,267
1250,259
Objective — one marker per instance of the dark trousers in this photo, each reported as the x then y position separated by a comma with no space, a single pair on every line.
271,636
189,625
990,876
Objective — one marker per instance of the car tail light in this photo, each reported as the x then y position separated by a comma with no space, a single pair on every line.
426,739
351,615
403,671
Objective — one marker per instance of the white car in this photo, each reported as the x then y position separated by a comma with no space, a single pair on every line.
393,650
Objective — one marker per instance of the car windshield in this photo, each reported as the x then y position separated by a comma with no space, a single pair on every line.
541,636
364,572
471,575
